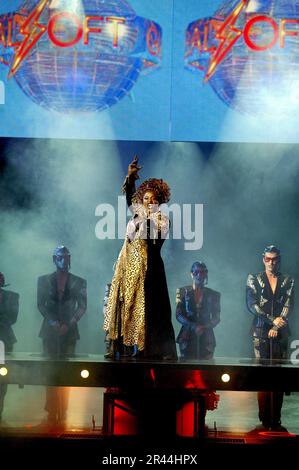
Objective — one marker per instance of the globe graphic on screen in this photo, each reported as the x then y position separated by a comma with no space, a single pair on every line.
259,81
86,77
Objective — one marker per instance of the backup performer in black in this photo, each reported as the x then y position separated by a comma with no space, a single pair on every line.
270,298
198,311
62,301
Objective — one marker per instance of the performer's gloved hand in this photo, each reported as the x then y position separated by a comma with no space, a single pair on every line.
133,169
272,333
279,322
199,330
63,329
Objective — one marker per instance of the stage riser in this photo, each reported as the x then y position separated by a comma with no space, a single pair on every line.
150,375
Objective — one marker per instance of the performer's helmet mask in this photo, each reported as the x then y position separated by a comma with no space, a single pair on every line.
62,258
199,272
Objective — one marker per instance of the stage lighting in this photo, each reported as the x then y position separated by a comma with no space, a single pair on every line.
225,378
84,374
3,371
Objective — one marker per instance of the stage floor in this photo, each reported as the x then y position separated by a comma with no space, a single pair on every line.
244,373
180,363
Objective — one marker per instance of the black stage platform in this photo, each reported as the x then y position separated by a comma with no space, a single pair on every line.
155,391
244,374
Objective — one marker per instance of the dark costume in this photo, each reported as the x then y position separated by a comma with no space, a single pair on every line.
266,306
192,314
71,305
64,308
9,309
138,314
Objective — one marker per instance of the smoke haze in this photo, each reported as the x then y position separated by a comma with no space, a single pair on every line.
50,189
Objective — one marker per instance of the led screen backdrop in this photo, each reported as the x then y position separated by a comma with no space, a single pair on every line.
196,70
240,81
86,68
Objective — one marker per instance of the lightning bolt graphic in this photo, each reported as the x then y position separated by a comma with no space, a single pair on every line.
32,31
227,36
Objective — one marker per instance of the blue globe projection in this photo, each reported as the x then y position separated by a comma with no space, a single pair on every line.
102,65
259,71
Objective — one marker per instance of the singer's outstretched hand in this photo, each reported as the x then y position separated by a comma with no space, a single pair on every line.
133,168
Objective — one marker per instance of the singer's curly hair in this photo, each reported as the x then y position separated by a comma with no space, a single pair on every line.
158,186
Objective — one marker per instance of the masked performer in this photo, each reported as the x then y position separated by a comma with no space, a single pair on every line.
198,311
62,300
138,314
